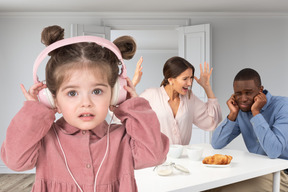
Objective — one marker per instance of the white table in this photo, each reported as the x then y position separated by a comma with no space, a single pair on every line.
244,165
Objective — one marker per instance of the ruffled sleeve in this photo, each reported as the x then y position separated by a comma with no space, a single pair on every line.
23,138
149,146
207,115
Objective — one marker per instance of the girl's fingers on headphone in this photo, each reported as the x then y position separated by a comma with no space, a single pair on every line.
34,89
23,90
25,93
129,83
130,88
131,92
32,93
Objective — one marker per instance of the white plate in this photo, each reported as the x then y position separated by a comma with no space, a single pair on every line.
217,166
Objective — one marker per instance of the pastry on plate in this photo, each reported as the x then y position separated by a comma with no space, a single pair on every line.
217,159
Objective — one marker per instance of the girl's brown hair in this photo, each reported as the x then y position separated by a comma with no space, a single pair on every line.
82,55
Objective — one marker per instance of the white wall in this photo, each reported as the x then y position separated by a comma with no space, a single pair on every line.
238,41
155,46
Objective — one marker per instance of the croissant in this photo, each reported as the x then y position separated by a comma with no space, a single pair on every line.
217,159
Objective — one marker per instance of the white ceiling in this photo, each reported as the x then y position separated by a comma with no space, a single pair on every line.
279,6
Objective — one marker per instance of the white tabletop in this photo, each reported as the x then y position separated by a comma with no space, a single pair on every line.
243,166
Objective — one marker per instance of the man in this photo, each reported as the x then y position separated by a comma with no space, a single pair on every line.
262,119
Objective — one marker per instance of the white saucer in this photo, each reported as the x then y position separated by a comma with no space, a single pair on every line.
216,166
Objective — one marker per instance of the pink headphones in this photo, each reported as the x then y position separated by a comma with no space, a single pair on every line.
119,94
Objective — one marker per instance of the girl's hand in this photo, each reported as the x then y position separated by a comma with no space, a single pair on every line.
131,92
205,74
32,93
138,72
130,89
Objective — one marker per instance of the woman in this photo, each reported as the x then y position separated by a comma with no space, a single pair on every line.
175,104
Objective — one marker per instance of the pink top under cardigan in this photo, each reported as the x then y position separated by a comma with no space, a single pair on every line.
31,142
205,115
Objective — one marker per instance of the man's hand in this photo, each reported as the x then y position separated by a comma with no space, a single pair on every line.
259,101
233,107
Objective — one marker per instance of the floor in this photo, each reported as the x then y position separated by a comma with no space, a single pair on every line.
16,182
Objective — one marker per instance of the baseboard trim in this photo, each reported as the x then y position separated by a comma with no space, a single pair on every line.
6,170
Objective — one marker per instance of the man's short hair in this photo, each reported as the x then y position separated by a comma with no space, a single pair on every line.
248,74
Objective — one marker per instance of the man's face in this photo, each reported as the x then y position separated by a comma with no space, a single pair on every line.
244,93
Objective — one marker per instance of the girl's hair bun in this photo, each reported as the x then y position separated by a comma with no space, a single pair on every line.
127,46
52,34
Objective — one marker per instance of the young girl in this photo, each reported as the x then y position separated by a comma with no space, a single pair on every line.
78,152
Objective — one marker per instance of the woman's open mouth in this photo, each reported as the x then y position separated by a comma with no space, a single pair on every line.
185,89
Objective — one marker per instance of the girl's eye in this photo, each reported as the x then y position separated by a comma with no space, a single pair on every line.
97,91
72,93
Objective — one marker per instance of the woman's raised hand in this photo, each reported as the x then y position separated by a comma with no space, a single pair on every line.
31,94
204,80
138,72
205,74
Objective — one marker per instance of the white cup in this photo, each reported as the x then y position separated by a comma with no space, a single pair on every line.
175,151
194,153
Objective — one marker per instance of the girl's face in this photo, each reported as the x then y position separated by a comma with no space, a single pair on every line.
181,83
84,98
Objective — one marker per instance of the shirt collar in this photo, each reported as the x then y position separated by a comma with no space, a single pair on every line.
164,93
68,129
268,97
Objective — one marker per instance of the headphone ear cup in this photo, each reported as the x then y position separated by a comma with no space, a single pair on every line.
119,94
46,97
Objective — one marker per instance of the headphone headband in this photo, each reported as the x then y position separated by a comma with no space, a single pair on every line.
79,39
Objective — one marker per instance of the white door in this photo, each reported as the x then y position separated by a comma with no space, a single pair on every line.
194,45
93,30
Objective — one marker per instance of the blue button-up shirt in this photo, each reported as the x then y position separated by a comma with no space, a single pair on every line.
265,134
